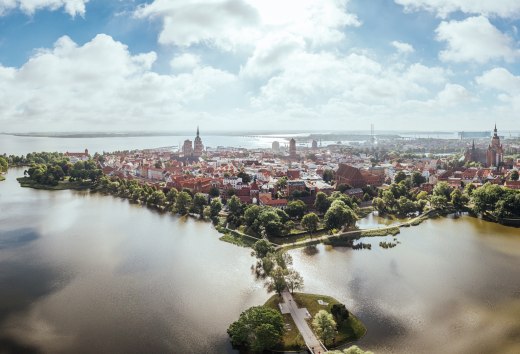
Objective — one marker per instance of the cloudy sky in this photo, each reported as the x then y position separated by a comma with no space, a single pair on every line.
71,65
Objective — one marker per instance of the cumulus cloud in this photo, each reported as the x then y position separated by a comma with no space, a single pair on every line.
402,47
502,8
72,7
500,79
229,24
185,61
100,84
474,39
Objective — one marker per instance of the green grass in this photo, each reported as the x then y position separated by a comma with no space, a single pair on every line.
381,232
351,330
237,239
292,339
62,185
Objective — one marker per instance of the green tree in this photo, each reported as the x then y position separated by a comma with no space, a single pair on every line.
322,203
340,313
183,202
156,198
296,209
324,326
281,183
339,215
215,207
198,204
258,328
245,177
328,175
442,189
251,215
214,192
294,280
171,196
4,164
276,280
439,201
379,205
457,199
417,179
262,248
310,222
514,175
399,176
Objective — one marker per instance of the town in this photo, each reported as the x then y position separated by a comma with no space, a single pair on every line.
272,177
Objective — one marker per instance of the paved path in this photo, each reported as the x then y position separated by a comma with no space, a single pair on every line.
299,316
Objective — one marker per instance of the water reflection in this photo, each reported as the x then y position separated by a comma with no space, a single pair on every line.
446,288
90,273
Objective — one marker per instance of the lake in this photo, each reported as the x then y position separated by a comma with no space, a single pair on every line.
87,273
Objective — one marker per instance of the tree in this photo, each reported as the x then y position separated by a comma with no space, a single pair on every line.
324,326
215,207
439,201
258,328
296,209
442,189
214,192
310,222
399,176
322,203
262,248
294,280
183,202
352,350
156,198
379,205
171,196
328,175
245,177
281,183
339,215
514,175
4,165
340,313
199,201
276,280
457,199
417,179
251,214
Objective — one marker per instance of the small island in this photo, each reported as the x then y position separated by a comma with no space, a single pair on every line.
324,322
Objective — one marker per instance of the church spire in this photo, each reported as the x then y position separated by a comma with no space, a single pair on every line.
197,130
473,145
495,131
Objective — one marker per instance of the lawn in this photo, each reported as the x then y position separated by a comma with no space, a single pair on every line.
351,330
62,185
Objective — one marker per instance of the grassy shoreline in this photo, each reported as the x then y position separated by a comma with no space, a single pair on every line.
26,182
351,330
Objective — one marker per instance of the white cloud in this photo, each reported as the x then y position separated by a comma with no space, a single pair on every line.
101,84
427,75
500,79
72,7
402,47
474,39
453,94
185,61
229,24
502,8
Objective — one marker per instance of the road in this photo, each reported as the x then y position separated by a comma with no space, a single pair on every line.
299,316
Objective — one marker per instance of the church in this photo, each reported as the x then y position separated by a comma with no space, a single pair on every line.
492,157
193,150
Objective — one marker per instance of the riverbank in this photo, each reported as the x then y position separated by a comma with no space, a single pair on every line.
350,330
26,182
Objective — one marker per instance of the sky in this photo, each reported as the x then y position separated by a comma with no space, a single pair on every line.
230,65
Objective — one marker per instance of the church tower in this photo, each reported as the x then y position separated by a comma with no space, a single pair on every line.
495,151
198,147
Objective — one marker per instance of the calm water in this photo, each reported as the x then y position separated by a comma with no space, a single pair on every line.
451,286
20,145
84,273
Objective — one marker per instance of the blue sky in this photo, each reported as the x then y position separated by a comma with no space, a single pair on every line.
259,64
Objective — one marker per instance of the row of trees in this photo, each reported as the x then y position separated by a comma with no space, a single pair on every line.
50,173
496,200
4,164
172,200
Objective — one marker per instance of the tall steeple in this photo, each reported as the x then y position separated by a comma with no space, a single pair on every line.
198,130
495,131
